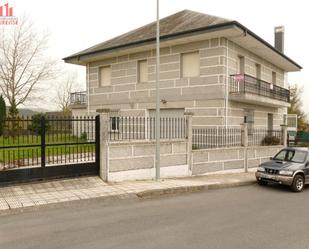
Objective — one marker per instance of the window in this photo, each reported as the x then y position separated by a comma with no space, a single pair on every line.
105,76
270,121
190,64
296,156
274,78
258,71
285,117
249,119
142,71
114,123
240,65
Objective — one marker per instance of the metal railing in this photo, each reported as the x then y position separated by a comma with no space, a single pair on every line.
78,98
139,128
264,137
30,142
243,83
220,137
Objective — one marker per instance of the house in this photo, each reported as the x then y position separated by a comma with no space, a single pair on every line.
216,68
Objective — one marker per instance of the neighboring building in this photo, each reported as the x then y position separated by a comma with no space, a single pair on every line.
216,68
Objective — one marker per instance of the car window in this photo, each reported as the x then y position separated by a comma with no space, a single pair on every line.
291,156
298,156
281,155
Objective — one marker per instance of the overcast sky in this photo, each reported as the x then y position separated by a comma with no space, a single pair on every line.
76,25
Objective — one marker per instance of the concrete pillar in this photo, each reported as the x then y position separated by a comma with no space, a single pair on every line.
244,142
104,123
188,116
284,131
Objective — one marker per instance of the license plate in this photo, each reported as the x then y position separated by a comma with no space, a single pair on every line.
268,176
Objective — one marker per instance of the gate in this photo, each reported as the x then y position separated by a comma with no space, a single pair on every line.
43,148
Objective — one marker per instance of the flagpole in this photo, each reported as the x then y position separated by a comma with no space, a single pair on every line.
157,158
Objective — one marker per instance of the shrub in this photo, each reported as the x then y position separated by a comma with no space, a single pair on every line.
2,114
35,126
271,140
83,136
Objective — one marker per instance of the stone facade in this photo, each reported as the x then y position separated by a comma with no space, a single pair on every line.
203,95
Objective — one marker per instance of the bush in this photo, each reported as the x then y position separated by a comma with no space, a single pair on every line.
2,114
83,136
271,140
35,126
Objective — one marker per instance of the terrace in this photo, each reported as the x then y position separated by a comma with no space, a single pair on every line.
245,88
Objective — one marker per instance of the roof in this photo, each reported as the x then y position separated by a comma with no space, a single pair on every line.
180,23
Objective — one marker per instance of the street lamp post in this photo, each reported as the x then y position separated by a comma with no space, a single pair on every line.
157,158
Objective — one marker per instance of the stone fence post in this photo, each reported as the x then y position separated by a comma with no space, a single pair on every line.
284,131
188,116
104,122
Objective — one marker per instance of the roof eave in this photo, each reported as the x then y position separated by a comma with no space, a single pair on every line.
78,58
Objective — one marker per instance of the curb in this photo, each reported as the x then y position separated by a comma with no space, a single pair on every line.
190,189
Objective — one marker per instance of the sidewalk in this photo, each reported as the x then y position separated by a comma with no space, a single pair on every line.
59,191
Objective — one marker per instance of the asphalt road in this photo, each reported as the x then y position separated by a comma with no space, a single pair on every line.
243,217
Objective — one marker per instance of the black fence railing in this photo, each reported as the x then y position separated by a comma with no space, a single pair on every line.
264,137
139,128
78,98
243,83
205,138
28,142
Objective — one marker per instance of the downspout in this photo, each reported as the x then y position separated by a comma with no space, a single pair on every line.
88,90
227,85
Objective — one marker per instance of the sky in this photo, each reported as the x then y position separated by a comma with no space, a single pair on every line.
76,25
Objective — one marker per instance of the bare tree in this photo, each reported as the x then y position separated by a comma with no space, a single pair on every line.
23,64
64,90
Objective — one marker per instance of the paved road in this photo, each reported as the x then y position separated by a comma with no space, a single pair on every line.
244,217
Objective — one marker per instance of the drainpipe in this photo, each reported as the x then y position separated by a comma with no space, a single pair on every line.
227,84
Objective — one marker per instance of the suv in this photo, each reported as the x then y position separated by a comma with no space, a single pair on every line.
289,167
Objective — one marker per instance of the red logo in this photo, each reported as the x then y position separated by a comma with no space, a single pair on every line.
8,10
6,15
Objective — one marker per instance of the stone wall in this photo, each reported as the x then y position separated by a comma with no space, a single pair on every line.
221,159
135,160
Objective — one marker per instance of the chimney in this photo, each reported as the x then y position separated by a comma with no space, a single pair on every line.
279,38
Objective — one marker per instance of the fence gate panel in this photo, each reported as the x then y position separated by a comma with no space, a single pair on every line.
43,148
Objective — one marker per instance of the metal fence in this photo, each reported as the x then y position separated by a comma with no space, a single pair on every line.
264,137
205,138
39,142
139,128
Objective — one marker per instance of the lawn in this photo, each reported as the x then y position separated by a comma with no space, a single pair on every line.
28,155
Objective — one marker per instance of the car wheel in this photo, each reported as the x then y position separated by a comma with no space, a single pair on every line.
298,183
262,183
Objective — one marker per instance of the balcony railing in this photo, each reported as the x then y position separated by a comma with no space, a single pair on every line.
78,98
243,83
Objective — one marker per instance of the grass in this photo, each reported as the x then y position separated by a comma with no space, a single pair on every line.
22,154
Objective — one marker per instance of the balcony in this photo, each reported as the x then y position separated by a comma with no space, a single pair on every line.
78,99
245,88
